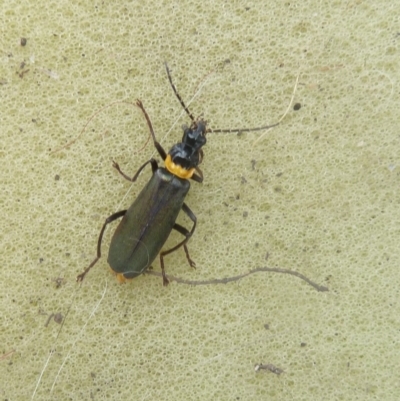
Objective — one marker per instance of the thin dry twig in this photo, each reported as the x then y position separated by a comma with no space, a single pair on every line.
7,354
227,280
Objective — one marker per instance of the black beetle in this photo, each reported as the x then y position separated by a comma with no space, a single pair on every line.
147,224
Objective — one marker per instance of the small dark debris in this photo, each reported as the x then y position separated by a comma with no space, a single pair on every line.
59,281
22,73
42,312
23,41
57,317
303,344
57,177
269,367
297,106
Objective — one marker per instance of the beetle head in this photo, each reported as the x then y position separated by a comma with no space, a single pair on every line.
187,153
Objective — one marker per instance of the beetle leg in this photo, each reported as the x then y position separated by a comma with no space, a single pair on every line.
109,220
198,177
154,167
183,243
157,144
187,234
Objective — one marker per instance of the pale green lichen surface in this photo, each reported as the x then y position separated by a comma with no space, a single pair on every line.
319,194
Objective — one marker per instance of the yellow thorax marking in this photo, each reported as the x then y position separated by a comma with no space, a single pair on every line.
177,170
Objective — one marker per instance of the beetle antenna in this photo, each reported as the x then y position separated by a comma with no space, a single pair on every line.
287,110
264,127
178,95
227,130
